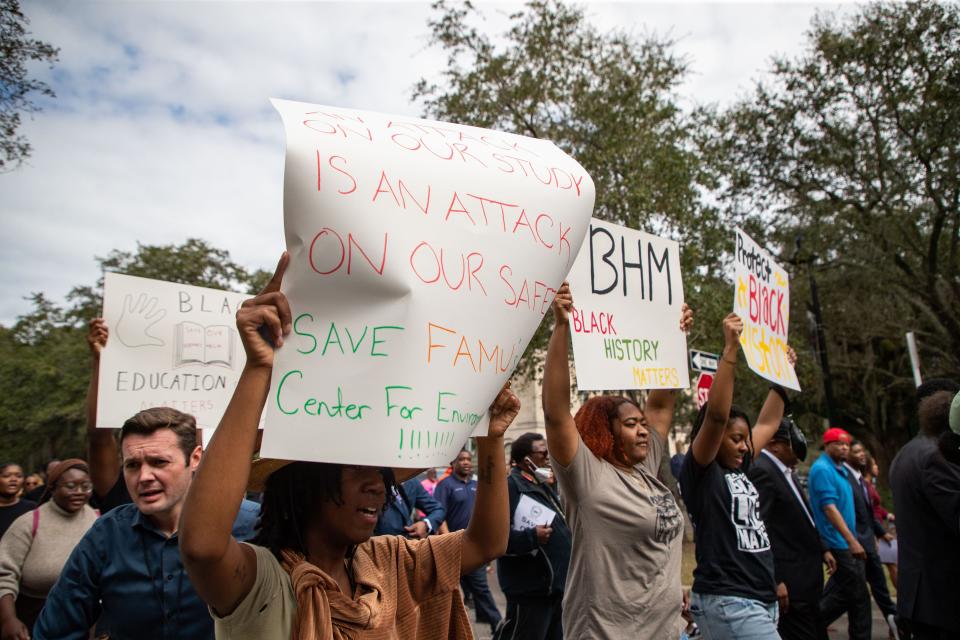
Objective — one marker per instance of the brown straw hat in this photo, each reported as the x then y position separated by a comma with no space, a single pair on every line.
261,468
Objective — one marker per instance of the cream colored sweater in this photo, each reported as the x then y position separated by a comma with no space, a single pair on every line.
31,564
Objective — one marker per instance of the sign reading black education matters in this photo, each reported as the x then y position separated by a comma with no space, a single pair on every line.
171,345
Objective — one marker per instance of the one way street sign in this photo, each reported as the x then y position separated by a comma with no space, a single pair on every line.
704,361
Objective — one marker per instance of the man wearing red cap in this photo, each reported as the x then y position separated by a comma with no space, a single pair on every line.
833,511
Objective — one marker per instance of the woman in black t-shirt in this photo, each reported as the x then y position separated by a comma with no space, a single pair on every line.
12,506
734,594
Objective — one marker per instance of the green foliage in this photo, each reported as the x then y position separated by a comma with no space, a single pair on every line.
16,50
855,146
44,362
608,100
44,384
194,262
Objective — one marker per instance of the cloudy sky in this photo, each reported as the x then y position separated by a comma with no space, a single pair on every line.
162,129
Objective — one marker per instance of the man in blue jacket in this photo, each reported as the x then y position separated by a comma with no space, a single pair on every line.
457,493
533,573
399,517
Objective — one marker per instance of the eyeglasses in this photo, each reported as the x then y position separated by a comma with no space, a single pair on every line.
84,487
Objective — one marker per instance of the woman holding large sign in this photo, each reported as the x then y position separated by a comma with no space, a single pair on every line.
734,591
315,572
624,576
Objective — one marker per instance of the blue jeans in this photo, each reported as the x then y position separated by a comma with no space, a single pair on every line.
734,618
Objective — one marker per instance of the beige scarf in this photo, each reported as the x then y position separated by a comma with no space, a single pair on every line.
324,612
407,590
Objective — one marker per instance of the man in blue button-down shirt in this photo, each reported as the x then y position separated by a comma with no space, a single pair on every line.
125,576
831,497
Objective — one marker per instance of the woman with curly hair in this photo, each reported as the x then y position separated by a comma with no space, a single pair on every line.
624,575
315,572
734,592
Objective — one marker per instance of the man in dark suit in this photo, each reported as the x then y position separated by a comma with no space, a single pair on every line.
797,548
398,519
926,498
868,530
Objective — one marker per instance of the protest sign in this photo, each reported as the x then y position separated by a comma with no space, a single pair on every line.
171,345
530,514
762,300
625,324
423,256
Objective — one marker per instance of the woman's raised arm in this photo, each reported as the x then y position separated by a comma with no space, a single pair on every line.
707,443
772,411
222,570
661,403
562,437
489,529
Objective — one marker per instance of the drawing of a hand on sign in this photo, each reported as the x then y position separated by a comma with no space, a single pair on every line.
134,325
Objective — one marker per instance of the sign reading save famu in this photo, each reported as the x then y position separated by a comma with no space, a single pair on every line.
423,257
625,321
762,300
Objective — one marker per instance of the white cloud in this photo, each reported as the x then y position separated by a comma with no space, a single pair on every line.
161,129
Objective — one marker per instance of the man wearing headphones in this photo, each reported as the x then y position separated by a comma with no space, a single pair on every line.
797,547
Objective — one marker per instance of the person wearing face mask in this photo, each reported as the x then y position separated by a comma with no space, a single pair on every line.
624,573
734,592
533,573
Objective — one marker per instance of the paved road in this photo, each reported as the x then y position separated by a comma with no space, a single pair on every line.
837,630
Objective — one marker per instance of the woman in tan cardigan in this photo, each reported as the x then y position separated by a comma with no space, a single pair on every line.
315,572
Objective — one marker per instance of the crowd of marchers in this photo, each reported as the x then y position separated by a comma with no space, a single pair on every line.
152,536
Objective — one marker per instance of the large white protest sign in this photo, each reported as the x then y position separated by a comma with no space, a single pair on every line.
625,324
423,257
762,300
170,345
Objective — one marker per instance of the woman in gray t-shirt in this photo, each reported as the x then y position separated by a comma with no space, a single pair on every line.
624,576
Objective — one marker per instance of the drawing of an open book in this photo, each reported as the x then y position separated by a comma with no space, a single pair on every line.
197,344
